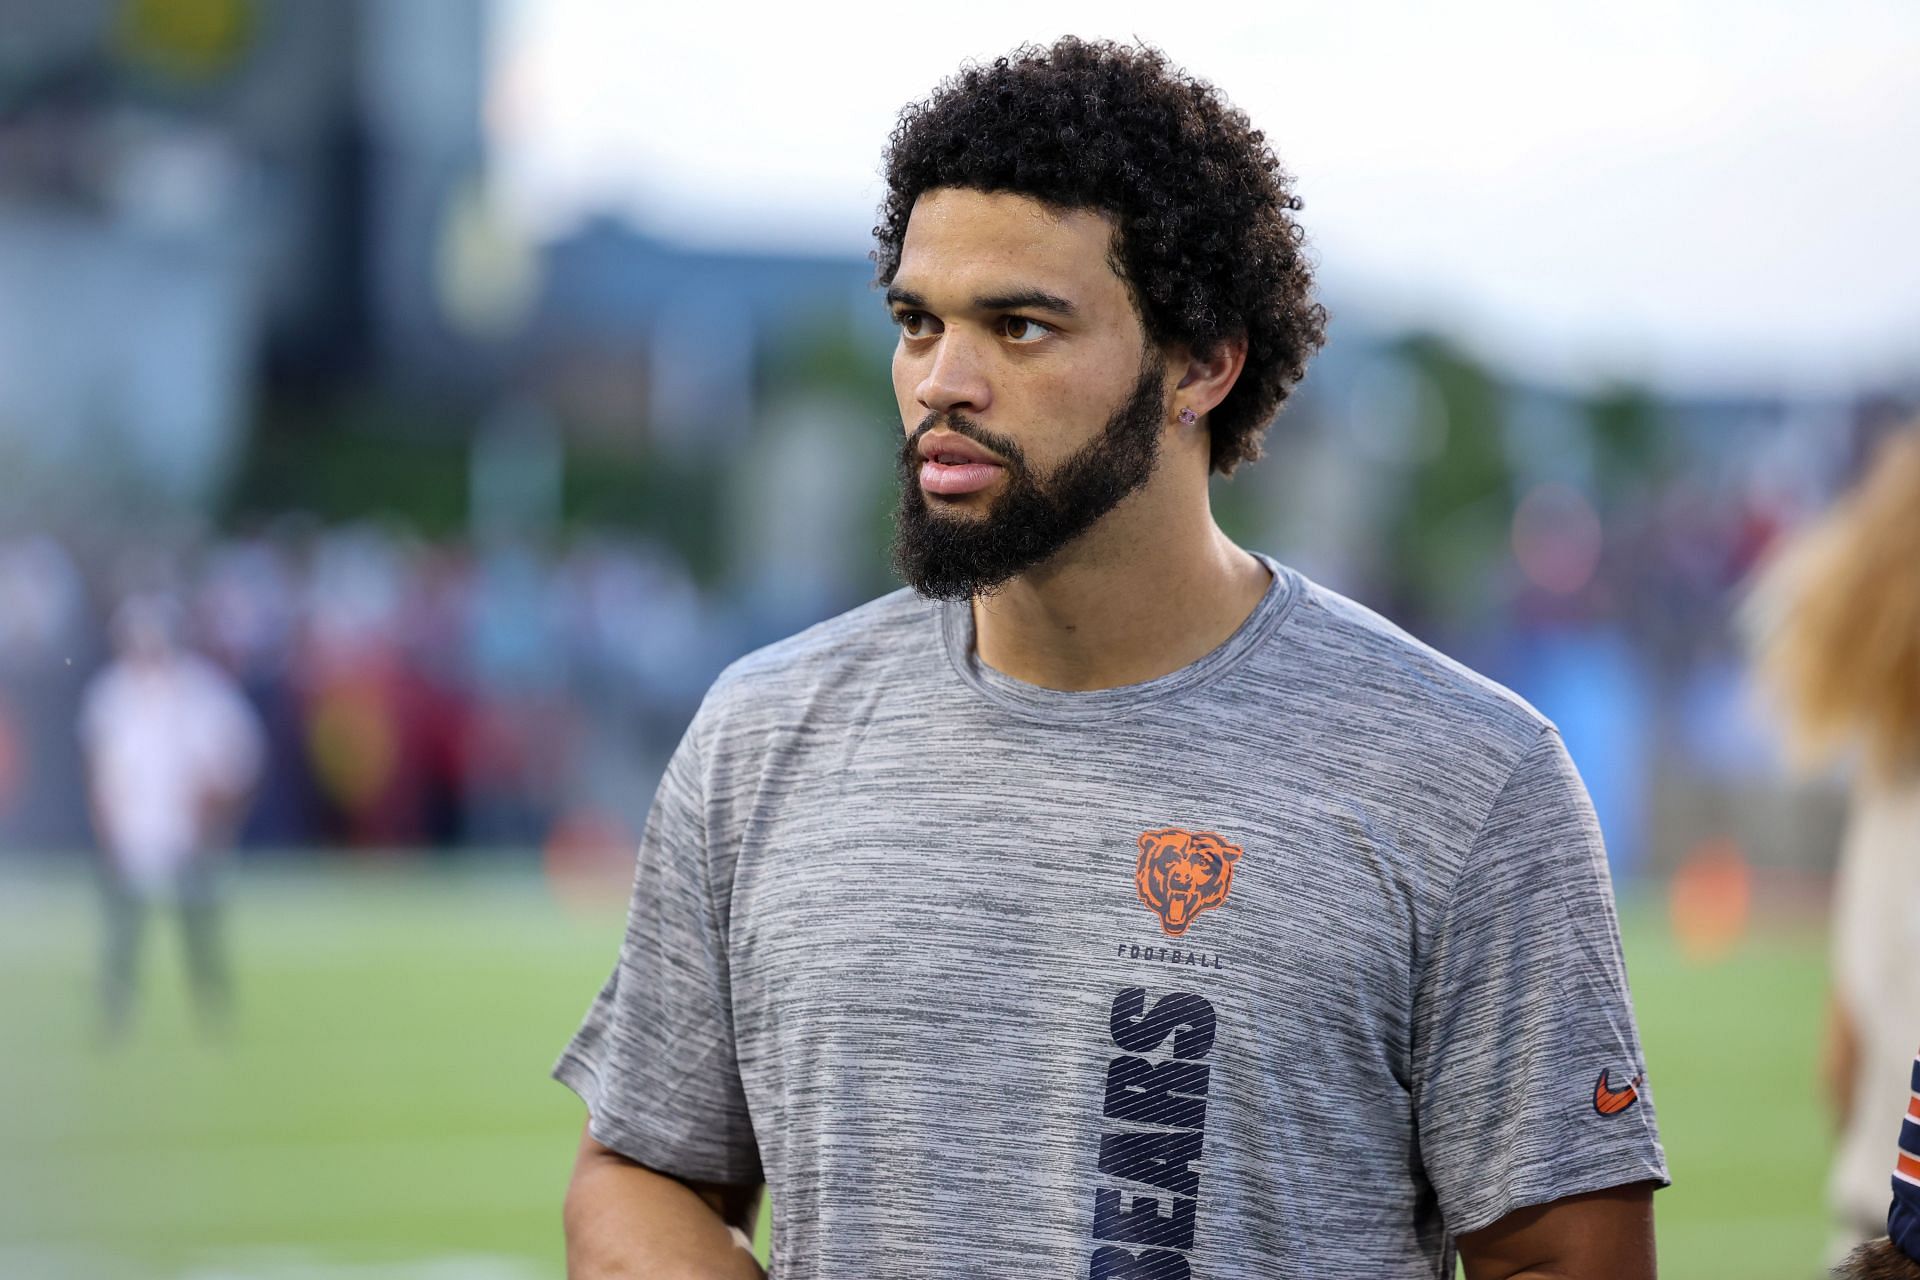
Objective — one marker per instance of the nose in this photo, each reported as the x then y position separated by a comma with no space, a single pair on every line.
954,377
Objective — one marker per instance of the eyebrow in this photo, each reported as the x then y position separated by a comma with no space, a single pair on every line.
1014,300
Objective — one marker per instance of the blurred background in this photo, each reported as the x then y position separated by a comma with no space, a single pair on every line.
472,381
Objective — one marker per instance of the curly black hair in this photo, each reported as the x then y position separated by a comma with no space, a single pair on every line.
1202,209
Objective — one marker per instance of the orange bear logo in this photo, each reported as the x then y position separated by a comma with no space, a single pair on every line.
1182,873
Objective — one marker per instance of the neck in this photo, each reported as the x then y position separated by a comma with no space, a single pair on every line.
1143,595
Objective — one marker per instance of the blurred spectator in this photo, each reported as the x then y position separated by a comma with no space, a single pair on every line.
173,751
44,653
1839,613
408,694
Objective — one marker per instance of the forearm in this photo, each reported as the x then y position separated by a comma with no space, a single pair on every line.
1600,1235
1585,1270
625,1222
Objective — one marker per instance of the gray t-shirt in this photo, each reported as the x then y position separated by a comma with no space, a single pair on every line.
1295,962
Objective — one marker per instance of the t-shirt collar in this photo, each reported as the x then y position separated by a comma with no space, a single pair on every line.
1082,706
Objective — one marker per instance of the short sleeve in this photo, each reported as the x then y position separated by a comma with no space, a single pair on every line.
1529,1082
654,1058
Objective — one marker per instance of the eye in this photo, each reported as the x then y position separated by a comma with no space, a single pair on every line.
916,324
1019,329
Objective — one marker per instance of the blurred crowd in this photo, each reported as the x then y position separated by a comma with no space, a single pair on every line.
411,694
521,686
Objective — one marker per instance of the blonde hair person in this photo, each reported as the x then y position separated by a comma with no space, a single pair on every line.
1838,614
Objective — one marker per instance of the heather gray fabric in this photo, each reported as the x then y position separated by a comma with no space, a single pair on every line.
890,951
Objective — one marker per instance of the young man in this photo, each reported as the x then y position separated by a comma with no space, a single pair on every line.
1115,902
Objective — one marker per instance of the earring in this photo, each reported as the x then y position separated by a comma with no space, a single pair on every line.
1188,417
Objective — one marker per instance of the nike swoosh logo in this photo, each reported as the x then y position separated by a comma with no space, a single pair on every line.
1611,1102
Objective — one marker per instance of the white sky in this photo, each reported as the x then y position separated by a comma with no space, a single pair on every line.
1706,193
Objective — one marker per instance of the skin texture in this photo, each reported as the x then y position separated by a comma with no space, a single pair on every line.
1050,382
625,1222
1211,250
1604,1235
945,557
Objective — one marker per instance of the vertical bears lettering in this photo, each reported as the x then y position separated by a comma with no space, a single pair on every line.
1135,1237
1170,1093
1187,1018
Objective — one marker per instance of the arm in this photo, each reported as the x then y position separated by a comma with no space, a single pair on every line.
232,744
1840,1061
655,1062
626,1222
1602,1235
1524,1012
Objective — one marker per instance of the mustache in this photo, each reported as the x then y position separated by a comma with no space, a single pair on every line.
961,425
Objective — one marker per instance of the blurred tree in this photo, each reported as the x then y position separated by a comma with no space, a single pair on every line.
1449,531
1240,509
674,501
845,357
377,458
1630,434
364,457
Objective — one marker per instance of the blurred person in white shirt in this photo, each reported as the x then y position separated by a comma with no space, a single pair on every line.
173,751
1838,618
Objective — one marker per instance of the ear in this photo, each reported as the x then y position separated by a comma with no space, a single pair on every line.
1206,380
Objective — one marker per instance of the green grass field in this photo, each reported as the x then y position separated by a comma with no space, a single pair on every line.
383,1111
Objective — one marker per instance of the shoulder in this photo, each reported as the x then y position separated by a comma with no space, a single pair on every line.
870,633
1387,679
847,651
1403,727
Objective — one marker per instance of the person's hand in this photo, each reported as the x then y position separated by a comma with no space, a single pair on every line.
218,818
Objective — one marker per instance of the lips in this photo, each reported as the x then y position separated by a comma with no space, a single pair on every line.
954,450
952,465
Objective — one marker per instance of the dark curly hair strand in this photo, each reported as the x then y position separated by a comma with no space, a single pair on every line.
1205,237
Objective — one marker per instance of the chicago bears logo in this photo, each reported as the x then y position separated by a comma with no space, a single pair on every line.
1182,873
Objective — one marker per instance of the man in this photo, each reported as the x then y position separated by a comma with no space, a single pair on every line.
173,750
1116,902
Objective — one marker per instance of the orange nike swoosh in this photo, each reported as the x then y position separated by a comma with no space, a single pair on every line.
1611,1102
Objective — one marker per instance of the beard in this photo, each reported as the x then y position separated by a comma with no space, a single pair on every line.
947,555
